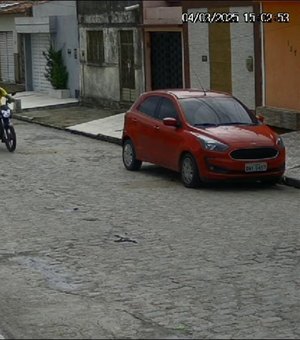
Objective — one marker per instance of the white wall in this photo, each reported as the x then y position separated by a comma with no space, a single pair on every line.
67,40
199,46
53,8
63,13
7,23
242,46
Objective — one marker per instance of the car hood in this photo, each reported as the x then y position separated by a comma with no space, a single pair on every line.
239,134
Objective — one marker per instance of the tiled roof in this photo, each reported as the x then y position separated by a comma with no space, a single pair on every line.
15,7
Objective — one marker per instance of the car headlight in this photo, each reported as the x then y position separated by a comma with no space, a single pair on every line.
212,144
279,142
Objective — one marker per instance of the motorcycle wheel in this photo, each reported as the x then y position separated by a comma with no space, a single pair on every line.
10,138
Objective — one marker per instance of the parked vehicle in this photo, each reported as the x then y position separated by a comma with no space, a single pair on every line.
205,135
7,131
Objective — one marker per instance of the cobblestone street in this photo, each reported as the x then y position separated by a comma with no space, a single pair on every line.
90,250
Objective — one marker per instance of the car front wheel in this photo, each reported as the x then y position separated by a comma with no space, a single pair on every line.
129,159
189,171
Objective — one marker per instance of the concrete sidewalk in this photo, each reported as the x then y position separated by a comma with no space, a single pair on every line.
292,173
109,128
107,124
70,115
35,100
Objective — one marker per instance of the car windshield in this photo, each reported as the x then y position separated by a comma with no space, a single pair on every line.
212,111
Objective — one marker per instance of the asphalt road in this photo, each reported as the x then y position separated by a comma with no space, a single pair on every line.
90,250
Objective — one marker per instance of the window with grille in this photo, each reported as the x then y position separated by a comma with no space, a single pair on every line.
95,47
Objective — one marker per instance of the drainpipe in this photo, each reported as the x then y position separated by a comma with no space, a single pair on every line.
143,45
263,80
80,55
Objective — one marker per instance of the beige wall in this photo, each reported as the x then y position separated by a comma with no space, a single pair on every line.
162,15
147,4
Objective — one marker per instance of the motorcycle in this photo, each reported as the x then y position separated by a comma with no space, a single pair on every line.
7,131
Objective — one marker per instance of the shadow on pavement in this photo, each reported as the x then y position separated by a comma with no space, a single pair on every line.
66,116
241,185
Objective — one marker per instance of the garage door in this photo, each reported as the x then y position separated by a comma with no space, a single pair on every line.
7,64
39,42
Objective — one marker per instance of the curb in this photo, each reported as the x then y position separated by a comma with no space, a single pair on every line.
31,120
286,180
290,181
48,107
99,136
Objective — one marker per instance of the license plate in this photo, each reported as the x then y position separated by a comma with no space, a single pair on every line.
256,167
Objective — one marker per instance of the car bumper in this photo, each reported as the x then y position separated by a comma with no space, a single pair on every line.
223,167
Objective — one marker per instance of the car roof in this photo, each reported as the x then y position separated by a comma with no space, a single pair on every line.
188,93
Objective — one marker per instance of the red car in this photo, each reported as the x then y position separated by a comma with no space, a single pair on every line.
205,135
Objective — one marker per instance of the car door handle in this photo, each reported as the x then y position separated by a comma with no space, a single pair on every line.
134,119
156,127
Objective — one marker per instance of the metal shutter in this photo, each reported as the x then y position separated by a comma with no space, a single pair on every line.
7,63
39,42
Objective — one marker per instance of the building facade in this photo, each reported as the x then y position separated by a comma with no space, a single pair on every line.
111,51
225,55
11,47
281,47
163,43
52,22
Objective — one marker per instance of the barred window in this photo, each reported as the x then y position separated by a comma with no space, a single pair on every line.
95,47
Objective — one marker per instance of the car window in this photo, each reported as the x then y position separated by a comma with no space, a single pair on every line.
167,109
215,111
149,105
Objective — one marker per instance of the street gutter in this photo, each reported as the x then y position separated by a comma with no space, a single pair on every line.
286,180
104,138
291,181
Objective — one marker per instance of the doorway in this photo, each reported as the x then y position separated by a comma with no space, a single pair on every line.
127,74
166,60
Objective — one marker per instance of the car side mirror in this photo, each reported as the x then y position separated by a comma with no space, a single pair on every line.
170,122
260,118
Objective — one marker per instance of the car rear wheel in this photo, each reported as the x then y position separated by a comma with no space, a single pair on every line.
129,159
189,171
